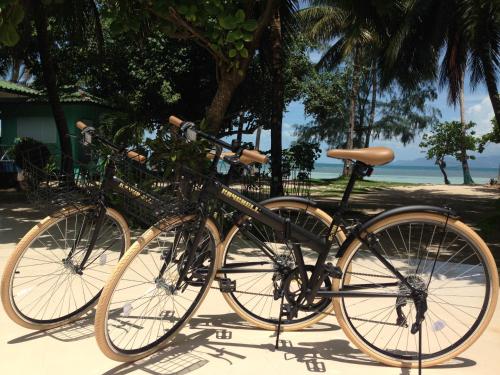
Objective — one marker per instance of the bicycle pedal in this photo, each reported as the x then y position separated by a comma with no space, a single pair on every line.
333,271
227,285
289,311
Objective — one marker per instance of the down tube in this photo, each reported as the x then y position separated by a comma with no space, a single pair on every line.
266,216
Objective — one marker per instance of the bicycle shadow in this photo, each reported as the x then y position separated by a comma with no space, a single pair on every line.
191,352
78,330
233,321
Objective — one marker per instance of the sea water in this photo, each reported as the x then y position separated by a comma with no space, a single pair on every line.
410,174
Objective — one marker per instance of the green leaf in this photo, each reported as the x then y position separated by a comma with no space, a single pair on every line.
8,35
17,14
227,22
239,45
234,35
231,36
240,16
232,52
249,25
244,53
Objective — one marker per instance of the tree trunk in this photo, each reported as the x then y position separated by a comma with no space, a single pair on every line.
277,105
442,165
225,89
491,84
239,134
373,106
49,77
463,152
16,67
352,111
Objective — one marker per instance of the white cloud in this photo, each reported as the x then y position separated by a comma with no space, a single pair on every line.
480,113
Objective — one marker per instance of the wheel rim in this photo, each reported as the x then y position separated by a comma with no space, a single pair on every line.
46,290
145,310
459,290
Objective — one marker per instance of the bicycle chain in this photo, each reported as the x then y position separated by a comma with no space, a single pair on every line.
372,275
250,293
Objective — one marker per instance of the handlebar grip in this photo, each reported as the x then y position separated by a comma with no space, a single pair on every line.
255,156
80,125
175,121
137,157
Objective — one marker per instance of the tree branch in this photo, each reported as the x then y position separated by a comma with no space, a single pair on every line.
195,34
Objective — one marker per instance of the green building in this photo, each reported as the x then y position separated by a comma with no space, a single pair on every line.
26,112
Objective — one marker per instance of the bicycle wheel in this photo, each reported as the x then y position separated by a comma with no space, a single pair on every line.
41,286
444,257
254,296
142,308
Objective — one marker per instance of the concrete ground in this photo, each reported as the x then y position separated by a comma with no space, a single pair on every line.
216,340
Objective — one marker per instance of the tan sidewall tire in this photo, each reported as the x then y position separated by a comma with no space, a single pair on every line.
473,237
134,250
26,241
234,305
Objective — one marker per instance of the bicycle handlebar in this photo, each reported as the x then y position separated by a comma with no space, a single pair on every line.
252,155
130,154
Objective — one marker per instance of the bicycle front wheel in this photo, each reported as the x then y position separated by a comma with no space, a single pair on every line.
42,286
439,255
146,301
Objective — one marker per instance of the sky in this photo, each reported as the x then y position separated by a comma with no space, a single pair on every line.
477,109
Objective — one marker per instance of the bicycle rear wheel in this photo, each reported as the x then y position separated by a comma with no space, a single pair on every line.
434,253
145,303
41,285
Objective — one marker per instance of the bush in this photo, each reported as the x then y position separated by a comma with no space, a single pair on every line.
32,151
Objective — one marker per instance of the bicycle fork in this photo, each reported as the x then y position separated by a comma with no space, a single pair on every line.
96,223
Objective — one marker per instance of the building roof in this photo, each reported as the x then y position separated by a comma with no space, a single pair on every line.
16,88
68,94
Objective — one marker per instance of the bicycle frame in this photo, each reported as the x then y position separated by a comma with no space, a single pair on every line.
292,232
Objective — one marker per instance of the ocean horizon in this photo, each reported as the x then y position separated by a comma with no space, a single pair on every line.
410,174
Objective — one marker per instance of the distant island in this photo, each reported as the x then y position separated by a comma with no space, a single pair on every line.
480,162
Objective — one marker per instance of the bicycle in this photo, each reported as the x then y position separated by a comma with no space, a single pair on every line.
392,287
57,271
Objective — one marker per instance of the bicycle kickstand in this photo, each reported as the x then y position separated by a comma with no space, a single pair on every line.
279,320
420,349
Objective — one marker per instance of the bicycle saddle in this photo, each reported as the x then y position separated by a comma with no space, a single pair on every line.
370,156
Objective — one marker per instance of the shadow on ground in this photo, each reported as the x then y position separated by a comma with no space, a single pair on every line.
214,340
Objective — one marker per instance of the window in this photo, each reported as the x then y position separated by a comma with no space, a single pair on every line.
42,129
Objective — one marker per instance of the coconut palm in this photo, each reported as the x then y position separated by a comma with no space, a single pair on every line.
466,33
351,30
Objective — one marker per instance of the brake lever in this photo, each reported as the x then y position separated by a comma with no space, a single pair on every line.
188,131
235,160
87,135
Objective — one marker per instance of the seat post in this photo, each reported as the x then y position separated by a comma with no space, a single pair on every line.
350,185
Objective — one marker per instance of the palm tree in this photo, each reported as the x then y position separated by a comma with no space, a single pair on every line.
350,28
467,31
274,47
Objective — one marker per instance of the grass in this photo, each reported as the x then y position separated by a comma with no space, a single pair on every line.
336,186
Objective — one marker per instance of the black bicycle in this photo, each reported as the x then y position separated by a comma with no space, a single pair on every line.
412,286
